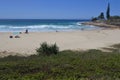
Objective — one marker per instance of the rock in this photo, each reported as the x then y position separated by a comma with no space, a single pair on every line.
10,36
17,36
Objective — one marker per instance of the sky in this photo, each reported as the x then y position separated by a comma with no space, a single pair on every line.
56,9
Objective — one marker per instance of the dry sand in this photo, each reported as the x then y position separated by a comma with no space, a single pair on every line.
74,40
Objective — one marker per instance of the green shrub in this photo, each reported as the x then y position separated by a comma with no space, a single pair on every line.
54,48
48,49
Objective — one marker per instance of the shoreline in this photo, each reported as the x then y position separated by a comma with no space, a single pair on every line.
101,24
73,40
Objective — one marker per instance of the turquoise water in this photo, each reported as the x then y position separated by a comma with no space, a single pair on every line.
37,25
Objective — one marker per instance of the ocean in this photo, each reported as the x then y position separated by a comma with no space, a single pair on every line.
42,25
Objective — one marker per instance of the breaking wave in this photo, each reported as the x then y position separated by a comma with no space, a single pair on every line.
43,26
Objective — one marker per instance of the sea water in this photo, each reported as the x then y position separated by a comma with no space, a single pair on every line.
39,25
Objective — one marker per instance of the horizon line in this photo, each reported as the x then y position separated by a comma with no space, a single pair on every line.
43,19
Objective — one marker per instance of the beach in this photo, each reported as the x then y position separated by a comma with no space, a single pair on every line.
69,40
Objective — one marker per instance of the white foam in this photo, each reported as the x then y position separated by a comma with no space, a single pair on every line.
41,27
3,26
78,23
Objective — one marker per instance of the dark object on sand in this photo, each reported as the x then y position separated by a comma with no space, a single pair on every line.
26,31
10,36
20,32
17,36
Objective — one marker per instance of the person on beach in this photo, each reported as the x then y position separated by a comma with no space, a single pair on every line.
26,31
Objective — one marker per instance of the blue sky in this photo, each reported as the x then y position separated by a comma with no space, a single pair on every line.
56,9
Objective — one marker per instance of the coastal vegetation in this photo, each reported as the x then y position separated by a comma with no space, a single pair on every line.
108,20
108,12
67,65
101,16
114,20
47,49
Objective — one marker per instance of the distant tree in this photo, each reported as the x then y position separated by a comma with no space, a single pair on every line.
108,11
94,19
101,16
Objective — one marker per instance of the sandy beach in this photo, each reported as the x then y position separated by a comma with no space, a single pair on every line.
73,40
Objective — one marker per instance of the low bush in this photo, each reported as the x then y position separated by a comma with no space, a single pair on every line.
47,49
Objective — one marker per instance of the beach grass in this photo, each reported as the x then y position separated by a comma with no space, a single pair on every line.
67,65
